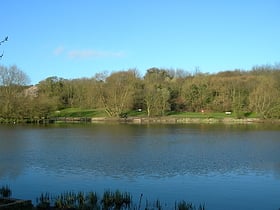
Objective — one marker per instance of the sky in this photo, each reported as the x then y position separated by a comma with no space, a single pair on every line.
79,38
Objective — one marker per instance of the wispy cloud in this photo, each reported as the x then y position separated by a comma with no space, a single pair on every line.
87,53
80,54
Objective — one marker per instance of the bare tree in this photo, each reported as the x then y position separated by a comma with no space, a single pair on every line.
116,92
156,93
265,98
12,83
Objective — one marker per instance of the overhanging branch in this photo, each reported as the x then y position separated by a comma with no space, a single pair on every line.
4,40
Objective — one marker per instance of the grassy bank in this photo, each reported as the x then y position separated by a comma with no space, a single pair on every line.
99,115
94,113
77,112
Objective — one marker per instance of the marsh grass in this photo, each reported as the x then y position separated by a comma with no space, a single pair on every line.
5,191
156,205
183,205
116,200
44,201
110,200
85,201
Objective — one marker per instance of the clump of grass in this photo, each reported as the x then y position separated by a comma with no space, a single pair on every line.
116,200
81,200
66,200
44,201
92,200
5,191
183,205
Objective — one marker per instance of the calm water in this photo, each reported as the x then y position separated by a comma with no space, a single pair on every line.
223,166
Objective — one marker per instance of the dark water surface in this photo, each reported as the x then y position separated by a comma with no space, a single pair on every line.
223,166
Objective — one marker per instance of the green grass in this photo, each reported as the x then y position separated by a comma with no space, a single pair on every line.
135,113
200,115
78,112
215,115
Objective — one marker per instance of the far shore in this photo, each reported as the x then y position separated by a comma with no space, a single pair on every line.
166,120
169,119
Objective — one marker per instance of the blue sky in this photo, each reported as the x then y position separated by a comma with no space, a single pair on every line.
74,39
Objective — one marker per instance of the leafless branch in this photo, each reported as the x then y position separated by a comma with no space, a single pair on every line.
4,40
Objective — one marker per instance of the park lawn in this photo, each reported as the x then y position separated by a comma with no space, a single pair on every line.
79,112
215,115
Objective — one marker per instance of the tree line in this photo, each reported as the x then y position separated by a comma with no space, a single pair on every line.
158,93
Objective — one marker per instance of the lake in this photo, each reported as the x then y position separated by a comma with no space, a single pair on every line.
221,166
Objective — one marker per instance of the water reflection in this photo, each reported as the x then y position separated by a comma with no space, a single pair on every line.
133,150
12,152
225,166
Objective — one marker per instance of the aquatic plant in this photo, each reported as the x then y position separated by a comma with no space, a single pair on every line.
58,203
44,201
140,201
107,200
183,205
5,191
156,205
81,199
116,200
66,200
110,200
92,200
127,199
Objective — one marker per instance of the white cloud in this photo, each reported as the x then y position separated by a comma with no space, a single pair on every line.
86,53
80,54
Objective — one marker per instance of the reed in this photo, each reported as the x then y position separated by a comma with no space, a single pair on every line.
183,205
5,191
116,200
44,201
92,200
67,200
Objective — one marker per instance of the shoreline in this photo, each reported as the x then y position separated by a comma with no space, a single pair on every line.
147,120
181,120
